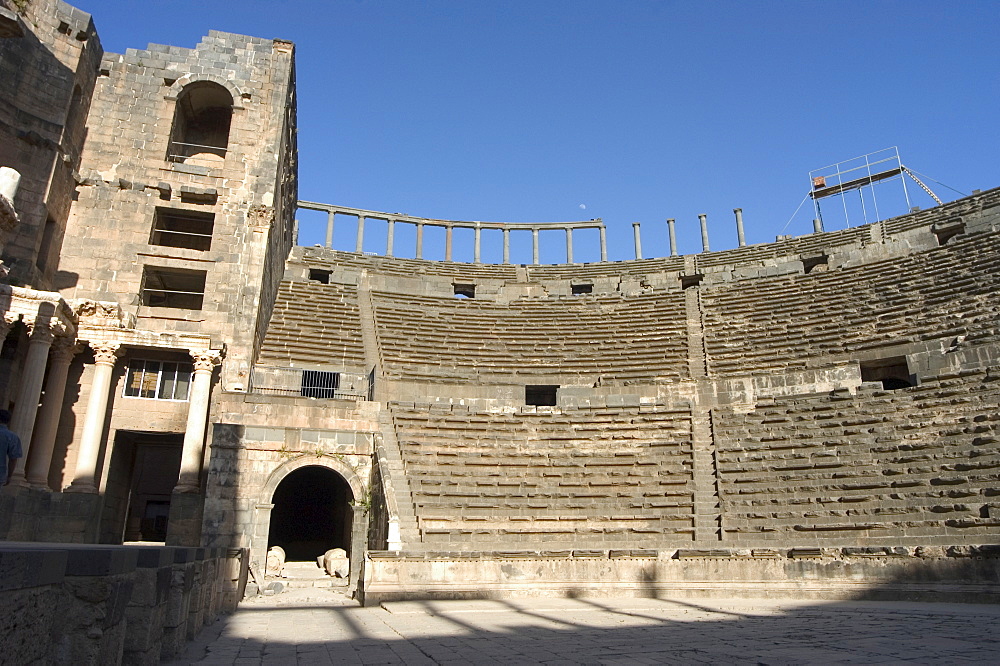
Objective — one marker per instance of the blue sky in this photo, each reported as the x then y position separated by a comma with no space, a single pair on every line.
550,110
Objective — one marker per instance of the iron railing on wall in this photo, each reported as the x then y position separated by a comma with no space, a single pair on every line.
320,384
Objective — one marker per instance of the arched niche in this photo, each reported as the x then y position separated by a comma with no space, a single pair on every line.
203,116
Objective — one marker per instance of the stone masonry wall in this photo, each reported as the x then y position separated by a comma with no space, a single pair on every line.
46,82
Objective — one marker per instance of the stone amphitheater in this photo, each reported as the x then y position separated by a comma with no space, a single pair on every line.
816,417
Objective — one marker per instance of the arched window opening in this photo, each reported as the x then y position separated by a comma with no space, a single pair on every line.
202,118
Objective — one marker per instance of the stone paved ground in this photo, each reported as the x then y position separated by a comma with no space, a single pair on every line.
316,626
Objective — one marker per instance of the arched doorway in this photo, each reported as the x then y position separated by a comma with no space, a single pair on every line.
311,513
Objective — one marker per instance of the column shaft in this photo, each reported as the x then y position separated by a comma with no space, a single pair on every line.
476,254
37,470
506,246
569,245
673,237
22,421
189,480
638,240
740,238
390,238
447,242
534,246
420,240
704,231
604,243
85,477
361,234
329,228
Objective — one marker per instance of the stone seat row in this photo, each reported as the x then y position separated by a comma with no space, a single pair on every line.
743,318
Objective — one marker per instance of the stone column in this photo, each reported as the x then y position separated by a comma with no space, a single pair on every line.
22,422
37,471
390,237
673,237
741,239
361,234
506,246
638,240
329,228
189,480
817,225
420,240
85,477
9,180
8,320
447,242
604,244
475,254
534,246
704,232
569,245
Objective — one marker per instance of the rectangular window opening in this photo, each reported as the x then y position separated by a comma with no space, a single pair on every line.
187,229
173,288
465,290
319,384
816,264
689,281
158,380
581,289
319,275
541,395
893,373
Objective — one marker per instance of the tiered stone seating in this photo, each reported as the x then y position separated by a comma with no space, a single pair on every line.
572,478
791,321
918,462
314,324
410,268
808,245
628,338
614,269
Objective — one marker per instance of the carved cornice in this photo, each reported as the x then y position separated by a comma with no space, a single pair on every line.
102,314
206,360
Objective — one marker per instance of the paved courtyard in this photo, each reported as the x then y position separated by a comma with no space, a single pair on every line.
316,626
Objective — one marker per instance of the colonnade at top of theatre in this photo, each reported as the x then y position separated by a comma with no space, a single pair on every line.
534,227
450,225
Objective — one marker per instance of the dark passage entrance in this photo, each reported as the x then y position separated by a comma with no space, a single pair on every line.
311,514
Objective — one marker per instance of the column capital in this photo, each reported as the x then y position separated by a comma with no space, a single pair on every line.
205,360
44,331
106,353
9,319
64,349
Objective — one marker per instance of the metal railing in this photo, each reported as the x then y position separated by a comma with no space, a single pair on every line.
197,154
320,384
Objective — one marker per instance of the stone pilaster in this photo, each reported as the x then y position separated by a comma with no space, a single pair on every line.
189,480
85,477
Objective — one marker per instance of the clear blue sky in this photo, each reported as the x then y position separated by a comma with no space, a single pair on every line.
527,111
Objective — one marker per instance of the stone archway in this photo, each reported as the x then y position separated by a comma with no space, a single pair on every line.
311,514
355,489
